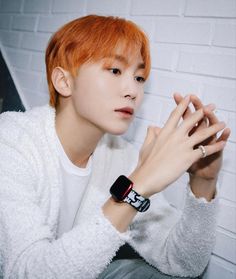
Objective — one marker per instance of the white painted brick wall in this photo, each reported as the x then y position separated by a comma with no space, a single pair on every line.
35,6
68,6
193,47
226,246
211,8
51,23
35,41
228,189
219,65
155,7
120,7
24,23
11,6
225,35
10,38
37,62
18,58
183,31
5,21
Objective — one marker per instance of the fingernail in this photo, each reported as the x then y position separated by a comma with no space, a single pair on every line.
223,123
176,93
187,97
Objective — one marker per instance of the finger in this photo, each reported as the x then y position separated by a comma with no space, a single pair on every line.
197,118
212,119
199,105
178,98
225,135
208,111
211,116
203,123
188,124
196,102
206,133
177,113
209,150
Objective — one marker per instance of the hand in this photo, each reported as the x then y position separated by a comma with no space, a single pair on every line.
165,157
205,168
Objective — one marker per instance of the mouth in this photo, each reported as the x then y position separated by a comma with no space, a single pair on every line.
125,112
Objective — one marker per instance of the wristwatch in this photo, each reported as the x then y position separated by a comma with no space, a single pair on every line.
122,191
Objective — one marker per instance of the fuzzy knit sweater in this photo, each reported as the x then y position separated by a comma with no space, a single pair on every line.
177,243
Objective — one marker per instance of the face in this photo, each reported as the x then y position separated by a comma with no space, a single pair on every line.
107,93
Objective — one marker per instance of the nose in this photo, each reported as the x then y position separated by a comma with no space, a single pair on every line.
130,89
128,96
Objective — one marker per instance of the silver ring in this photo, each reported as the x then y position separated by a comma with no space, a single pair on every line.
203,150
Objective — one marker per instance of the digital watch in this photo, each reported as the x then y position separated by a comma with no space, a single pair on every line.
122,191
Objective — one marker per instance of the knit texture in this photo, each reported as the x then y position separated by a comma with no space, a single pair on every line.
177,243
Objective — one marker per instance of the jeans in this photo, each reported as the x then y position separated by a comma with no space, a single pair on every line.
133,269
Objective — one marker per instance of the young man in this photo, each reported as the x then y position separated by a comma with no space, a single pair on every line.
71,187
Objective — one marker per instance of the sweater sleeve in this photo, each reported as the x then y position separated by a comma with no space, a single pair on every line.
177,243
28,247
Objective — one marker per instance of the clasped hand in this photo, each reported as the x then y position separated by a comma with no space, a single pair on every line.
170,151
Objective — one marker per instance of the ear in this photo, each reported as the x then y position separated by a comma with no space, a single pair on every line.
62,81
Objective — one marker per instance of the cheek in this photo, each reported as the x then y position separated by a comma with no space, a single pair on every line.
139,99
89,98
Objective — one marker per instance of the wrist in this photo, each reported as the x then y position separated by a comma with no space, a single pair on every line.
119,214
205,181
139,185
202,187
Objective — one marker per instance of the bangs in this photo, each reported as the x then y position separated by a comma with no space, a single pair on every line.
115,35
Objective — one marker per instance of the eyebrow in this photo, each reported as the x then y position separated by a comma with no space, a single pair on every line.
123,60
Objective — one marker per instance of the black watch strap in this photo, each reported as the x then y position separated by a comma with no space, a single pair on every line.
137,201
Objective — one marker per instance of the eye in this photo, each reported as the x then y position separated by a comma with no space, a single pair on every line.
115,71
140,79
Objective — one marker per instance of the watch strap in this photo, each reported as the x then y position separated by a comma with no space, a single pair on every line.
137,201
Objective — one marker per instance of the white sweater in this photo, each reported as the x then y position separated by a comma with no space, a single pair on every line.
30,181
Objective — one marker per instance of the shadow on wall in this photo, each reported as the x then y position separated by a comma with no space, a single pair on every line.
9,97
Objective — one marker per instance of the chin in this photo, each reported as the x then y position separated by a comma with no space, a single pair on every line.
117,131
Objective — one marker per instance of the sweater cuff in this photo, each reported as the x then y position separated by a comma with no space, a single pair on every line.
200,211
125,236
97,235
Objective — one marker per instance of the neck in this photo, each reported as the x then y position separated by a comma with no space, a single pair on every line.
78,137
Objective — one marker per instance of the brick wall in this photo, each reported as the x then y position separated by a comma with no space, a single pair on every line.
193,45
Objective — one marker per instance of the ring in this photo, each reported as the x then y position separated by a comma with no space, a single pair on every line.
203,150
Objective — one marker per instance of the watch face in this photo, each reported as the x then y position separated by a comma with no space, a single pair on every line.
121,188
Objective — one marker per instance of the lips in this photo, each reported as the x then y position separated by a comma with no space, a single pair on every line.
127,110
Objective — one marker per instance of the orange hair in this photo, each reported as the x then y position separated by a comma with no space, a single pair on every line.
91,38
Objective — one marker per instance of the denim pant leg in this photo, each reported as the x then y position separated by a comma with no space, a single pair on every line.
133,269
